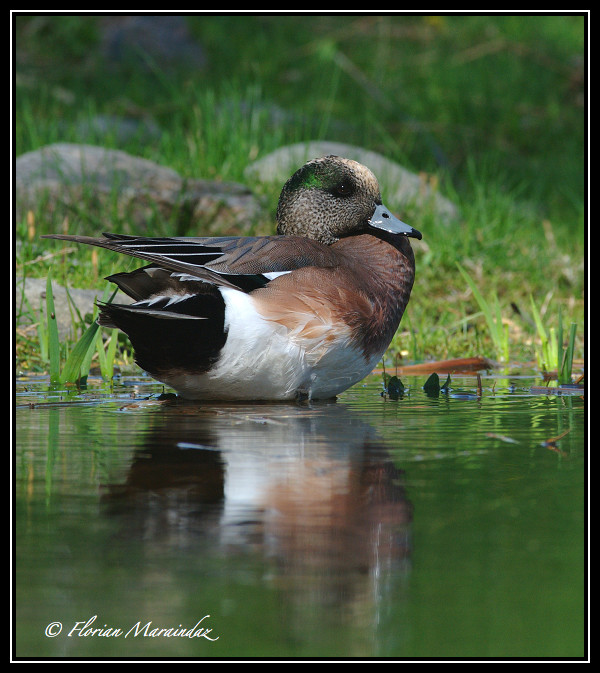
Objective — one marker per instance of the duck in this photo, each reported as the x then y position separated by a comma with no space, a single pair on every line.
305,313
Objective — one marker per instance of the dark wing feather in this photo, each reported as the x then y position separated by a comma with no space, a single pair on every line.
223,256
168,289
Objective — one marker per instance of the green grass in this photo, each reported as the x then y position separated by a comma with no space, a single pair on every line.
71,362
492,106
497,330
551,353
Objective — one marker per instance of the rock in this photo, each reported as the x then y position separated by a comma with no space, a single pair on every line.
399,186
93,183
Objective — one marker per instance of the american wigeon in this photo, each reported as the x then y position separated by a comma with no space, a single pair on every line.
306,313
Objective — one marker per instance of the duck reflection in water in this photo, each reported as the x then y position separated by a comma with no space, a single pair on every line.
313,490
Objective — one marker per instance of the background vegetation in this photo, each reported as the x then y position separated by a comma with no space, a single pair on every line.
492,108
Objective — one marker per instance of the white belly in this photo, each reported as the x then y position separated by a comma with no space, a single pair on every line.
262,361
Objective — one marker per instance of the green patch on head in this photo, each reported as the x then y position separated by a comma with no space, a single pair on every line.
314,175
311,180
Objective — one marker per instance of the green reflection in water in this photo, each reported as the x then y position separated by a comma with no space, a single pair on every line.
423,527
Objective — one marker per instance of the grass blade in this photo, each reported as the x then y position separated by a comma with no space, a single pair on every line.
494,320
106,354
53,341
78,363
559,347
566,369
547,348
37,317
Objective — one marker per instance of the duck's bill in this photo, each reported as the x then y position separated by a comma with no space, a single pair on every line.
382,218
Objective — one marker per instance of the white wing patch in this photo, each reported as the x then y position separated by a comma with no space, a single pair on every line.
271,275
172,299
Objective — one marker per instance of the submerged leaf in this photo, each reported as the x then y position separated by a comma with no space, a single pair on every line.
502,438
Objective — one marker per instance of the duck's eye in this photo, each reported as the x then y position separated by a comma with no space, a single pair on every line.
343,189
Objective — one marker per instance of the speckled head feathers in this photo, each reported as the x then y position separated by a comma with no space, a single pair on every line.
327,199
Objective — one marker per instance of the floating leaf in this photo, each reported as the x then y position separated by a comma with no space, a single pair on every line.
552,441
446,387
395,388
432,385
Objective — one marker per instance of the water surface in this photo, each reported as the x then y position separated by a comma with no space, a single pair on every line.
445,526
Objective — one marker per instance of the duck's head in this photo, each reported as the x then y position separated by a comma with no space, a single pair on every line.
331,198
